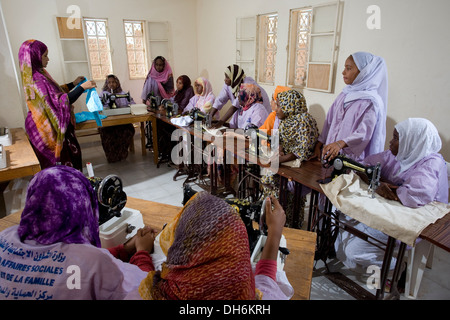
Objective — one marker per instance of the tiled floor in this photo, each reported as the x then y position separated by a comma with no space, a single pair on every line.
142,179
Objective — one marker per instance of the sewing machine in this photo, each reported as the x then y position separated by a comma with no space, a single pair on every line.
200,117
110,98
117,224
342,163
155,102
170,107
251,213
259,139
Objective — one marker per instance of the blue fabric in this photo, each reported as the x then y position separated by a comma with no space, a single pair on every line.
86,115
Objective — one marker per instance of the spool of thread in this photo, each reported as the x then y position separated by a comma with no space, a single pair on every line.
90,170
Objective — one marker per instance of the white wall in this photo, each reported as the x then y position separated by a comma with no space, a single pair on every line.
31,19
413,40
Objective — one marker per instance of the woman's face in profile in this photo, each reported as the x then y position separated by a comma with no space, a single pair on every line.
350,71
393,144
45,59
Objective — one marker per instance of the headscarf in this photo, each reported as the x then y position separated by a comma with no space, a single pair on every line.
61,206
208,255
206,98
179,95
237,75
164,79
49,109
298,130
249,94
372,84
105,85
278,90
418,138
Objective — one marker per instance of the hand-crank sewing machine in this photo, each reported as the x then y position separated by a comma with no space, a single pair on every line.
341,164
200,117
117,224
251,213
110,98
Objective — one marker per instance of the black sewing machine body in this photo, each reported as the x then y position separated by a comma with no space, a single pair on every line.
110,98
170,107
155,102
110,195
200,117
341,164
258,139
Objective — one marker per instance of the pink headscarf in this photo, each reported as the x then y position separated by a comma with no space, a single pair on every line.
161,77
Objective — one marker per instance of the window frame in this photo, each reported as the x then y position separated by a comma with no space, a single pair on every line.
292,52
111,70
262,33
145,50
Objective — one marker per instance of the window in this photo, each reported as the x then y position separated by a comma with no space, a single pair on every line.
312,47
246,44
136,49
98,48
267,45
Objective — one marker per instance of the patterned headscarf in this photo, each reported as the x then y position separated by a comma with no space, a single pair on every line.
61,206
237,75
165,86
298,130
249,94
49,108
208,255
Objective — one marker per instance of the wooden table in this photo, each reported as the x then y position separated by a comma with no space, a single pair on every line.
20,156
116,120
301,244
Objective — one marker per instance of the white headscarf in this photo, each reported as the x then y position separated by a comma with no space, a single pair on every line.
372,84
418,138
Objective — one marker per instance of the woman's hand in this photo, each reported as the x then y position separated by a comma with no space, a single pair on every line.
89,85
275,220
387,191
330,151
78,80
145,239
317,151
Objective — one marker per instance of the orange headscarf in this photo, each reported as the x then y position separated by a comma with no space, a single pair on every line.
268,124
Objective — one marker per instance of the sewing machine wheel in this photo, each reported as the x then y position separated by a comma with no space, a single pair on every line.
110,193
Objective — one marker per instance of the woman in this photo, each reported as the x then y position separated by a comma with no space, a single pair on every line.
50,122
116,140
184,92
55,251
356,122
413,172
234,78
204,96
159,81
208,238
272,122
251,108
298,134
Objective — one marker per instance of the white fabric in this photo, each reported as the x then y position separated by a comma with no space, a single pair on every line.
371,84
418,138
349,194
182,121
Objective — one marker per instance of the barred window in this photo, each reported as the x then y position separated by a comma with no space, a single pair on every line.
267,44
136,49
98,48
313,46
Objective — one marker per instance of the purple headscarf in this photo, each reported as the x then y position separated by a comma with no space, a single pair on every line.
61,206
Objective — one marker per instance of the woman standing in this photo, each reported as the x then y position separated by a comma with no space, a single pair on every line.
50,123
159,81
356,122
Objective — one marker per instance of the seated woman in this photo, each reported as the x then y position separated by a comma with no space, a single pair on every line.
184,93
298,135
234,78
59,233
272,122
204,96
251,110
208,238
159,81
116,140
413,172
